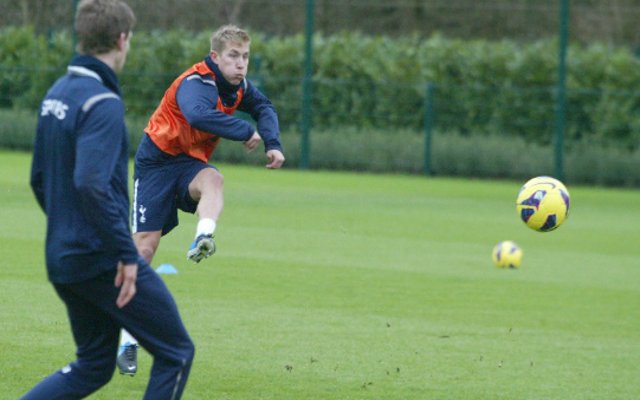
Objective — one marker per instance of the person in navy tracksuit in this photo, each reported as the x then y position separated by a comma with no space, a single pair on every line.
79,177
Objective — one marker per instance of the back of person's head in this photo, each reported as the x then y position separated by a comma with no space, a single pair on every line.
228,34
99,24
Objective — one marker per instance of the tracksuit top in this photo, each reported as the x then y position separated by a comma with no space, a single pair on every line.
195,112
79,173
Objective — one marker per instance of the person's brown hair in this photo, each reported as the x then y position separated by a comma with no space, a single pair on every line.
99,23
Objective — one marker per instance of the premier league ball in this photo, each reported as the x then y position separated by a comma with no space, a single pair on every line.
507,254
543,203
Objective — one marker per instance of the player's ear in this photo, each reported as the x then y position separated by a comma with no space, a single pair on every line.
122,40
214,56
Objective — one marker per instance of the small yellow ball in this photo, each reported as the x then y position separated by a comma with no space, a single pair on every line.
507,254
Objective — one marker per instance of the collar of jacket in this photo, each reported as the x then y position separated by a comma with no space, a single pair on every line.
106,74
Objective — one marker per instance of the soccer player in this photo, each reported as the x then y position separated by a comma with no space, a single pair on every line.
172,169
79,178
171,164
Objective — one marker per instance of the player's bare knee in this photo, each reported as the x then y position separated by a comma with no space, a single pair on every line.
206,181
147,243
218,179
147,253
212,176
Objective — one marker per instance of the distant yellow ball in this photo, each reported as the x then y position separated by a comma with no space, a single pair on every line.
543,203
507,254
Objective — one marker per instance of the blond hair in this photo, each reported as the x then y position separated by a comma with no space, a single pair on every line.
228,34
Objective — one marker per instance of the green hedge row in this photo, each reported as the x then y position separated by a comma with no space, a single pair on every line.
378,82
453,154
493,101
481,87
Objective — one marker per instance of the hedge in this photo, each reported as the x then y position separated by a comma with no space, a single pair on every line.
376,81
369,96
487,156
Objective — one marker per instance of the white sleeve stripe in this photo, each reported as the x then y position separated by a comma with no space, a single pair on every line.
207,81
93,100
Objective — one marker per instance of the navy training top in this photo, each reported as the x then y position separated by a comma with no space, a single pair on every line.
79,173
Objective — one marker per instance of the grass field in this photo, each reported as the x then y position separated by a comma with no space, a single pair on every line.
347,286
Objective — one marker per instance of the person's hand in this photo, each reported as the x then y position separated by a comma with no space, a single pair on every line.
252,143
276,159
126,281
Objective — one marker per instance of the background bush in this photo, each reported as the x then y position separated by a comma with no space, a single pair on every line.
376,81
488,156
493,100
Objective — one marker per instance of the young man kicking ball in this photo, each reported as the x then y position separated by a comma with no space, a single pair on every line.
171,165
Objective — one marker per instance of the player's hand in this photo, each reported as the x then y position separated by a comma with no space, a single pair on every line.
126,281
252,143
276,159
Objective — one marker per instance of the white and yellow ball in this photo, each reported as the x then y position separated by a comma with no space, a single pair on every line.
507,254
543,203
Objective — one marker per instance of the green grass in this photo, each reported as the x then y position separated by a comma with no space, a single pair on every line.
354,286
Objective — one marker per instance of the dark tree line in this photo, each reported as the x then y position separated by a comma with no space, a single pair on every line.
609,21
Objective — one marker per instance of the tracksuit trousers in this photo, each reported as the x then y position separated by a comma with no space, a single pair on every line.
151,317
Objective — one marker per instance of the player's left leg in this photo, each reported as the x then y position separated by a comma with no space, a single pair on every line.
152,317
147,243
127,360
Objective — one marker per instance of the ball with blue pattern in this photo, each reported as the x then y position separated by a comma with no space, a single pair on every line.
543,203
507,254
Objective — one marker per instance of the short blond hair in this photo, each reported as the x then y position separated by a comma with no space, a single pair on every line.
228,34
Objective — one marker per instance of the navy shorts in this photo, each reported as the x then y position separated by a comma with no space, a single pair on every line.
161,187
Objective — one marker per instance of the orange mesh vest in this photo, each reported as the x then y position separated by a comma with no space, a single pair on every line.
171,132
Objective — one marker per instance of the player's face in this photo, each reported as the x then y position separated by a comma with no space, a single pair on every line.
233,61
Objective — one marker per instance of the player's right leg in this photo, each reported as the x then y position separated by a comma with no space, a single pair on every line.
96,336
206,190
